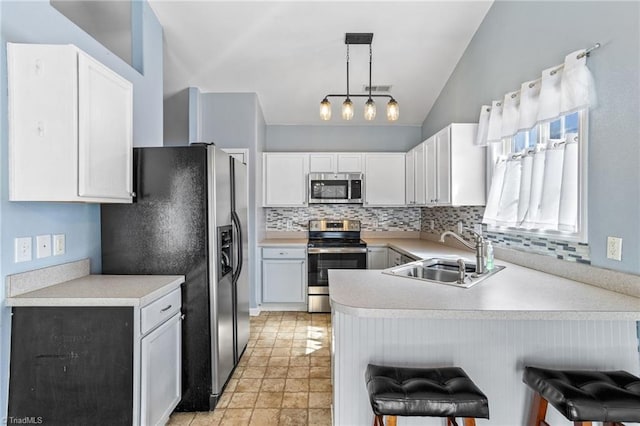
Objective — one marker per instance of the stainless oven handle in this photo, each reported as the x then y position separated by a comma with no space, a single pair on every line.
314,250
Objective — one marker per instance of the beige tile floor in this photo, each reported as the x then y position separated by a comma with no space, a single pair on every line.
283,378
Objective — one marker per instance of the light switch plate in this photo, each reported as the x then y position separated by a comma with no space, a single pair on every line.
614,248
22,249
43,246
58,244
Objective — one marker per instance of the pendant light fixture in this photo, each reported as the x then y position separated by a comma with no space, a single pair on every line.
393,110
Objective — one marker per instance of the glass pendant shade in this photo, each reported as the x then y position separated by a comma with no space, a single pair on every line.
393,110
325,109
347,109
369,110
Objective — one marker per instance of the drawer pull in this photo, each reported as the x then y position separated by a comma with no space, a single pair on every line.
166,309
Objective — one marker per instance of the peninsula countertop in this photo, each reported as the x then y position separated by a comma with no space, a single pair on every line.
101,290
513,293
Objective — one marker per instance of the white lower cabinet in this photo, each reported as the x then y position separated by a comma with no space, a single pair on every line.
394,258
160,358
284,276
160,372
377,258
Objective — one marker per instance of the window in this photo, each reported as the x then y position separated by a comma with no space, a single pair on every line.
538,180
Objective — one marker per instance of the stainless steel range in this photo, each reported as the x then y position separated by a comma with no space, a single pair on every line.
333,244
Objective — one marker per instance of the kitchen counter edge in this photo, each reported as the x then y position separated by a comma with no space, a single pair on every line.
100,290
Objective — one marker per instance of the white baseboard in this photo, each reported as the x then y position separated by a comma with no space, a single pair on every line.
301,307
254,312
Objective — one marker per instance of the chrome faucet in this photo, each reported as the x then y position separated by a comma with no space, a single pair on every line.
478,247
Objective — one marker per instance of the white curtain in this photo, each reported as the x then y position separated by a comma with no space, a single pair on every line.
495,191
483,125
535,191
549,99
549,207
510,114
529,94
568,218
507,214
494,132
577,87
525,188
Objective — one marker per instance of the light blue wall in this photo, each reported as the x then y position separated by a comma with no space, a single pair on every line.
395,138
38,22
515,42
234,120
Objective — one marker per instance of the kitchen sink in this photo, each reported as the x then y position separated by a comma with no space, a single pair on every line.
442,271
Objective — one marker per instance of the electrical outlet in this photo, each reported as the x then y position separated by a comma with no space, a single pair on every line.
58,244
432,224
477,227
460,228
614,248
43,246
22,249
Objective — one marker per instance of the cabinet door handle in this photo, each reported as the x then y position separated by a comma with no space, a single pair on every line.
166,309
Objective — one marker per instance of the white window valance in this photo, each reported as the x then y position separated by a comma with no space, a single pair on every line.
561,89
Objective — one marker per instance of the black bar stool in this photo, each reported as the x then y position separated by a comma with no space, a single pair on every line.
424,392
584,396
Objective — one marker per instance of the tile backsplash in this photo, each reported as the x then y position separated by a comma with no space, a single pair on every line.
404,219
447,218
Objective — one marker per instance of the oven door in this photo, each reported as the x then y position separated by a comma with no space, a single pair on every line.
323,259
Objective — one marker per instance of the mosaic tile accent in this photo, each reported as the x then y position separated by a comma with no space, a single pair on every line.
405,219
447,218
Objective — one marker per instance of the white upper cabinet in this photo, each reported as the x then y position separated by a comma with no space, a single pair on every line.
322,163
384,179
454,167
328,162
410,176
350,163
70,127
416,175
285,179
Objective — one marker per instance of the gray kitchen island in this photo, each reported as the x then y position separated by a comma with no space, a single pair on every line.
517,317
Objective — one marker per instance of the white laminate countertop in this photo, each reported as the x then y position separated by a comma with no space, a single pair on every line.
101,290
513,293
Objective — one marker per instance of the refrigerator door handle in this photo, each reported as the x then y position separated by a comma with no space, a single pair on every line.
235,220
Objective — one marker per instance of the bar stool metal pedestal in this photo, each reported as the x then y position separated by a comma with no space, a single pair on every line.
425,392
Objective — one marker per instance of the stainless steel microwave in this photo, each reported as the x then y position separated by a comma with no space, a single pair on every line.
335,188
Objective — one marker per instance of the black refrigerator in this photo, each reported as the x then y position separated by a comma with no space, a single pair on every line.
189,217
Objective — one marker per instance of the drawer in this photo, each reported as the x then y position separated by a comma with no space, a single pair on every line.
159,311
284,253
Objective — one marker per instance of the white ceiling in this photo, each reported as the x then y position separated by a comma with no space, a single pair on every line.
292,53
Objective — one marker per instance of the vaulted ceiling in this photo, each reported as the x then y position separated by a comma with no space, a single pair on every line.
292,53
